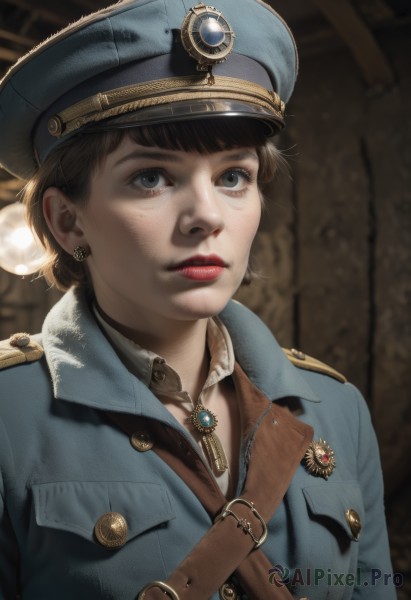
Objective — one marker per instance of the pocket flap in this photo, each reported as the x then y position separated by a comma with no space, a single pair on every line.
333,500
76,506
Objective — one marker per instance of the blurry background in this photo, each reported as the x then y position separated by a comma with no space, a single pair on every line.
335,246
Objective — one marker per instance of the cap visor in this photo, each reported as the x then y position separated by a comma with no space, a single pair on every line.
191,110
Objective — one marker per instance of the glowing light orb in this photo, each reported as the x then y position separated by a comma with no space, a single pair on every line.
21,252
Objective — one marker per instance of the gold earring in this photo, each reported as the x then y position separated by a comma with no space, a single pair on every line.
80,253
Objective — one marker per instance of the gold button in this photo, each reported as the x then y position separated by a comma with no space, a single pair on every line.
354,522
228,591
141,441
298,354
55,126
111,530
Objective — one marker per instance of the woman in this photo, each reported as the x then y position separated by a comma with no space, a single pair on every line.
157,442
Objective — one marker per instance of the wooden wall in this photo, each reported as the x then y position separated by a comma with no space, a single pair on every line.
334,251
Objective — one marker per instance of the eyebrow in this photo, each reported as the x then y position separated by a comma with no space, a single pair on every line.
170,157
163,156
243,155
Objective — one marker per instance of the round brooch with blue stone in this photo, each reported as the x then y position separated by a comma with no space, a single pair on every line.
203,420
207,36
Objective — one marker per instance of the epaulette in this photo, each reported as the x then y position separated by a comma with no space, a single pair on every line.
19,348
303,361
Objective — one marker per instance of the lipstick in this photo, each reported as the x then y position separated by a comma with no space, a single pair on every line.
200,268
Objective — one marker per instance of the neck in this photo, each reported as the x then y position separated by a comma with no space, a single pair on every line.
182,344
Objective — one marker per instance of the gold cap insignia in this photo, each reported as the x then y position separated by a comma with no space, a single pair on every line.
319,459
207,36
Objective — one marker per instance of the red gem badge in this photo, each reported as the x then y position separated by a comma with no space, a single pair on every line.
319,459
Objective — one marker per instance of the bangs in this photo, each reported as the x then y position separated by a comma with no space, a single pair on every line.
203,136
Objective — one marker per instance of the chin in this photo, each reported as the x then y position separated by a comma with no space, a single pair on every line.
203,304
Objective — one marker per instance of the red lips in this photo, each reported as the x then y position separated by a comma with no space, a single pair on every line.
212,260
200,268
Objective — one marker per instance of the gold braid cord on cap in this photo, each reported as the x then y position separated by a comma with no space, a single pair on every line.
162,91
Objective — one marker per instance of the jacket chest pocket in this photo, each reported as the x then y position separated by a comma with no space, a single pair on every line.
107,513
338,506
328,555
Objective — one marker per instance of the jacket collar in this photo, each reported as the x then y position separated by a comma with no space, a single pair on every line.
261,357
85,368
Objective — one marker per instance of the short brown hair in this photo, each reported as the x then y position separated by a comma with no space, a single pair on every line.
72,164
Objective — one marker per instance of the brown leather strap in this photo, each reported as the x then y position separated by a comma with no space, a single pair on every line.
274,448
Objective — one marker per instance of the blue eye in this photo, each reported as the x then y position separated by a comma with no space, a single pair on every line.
234,178
150,179
230,179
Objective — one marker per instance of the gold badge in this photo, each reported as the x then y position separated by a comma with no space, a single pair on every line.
206,36
319,459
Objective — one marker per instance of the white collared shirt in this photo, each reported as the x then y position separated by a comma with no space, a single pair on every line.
165,382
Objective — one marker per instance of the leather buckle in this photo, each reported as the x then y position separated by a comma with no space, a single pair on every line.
243,523
162,586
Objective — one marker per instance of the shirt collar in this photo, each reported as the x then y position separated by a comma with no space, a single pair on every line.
159,376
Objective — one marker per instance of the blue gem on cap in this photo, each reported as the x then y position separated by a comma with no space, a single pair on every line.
212,33
207,36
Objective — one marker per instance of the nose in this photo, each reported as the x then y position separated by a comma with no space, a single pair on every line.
202,210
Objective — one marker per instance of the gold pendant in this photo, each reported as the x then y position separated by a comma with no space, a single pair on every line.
215,452
205,422
319,459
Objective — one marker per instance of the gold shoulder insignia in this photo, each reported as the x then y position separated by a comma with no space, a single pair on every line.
303,361
19,348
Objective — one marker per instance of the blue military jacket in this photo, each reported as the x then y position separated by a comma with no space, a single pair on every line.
63,465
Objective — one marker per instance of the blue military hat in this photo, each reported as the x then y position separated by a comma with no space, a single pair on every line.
145,62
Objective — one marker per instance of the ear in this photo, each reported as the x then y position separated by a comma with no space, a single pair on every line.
61,215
